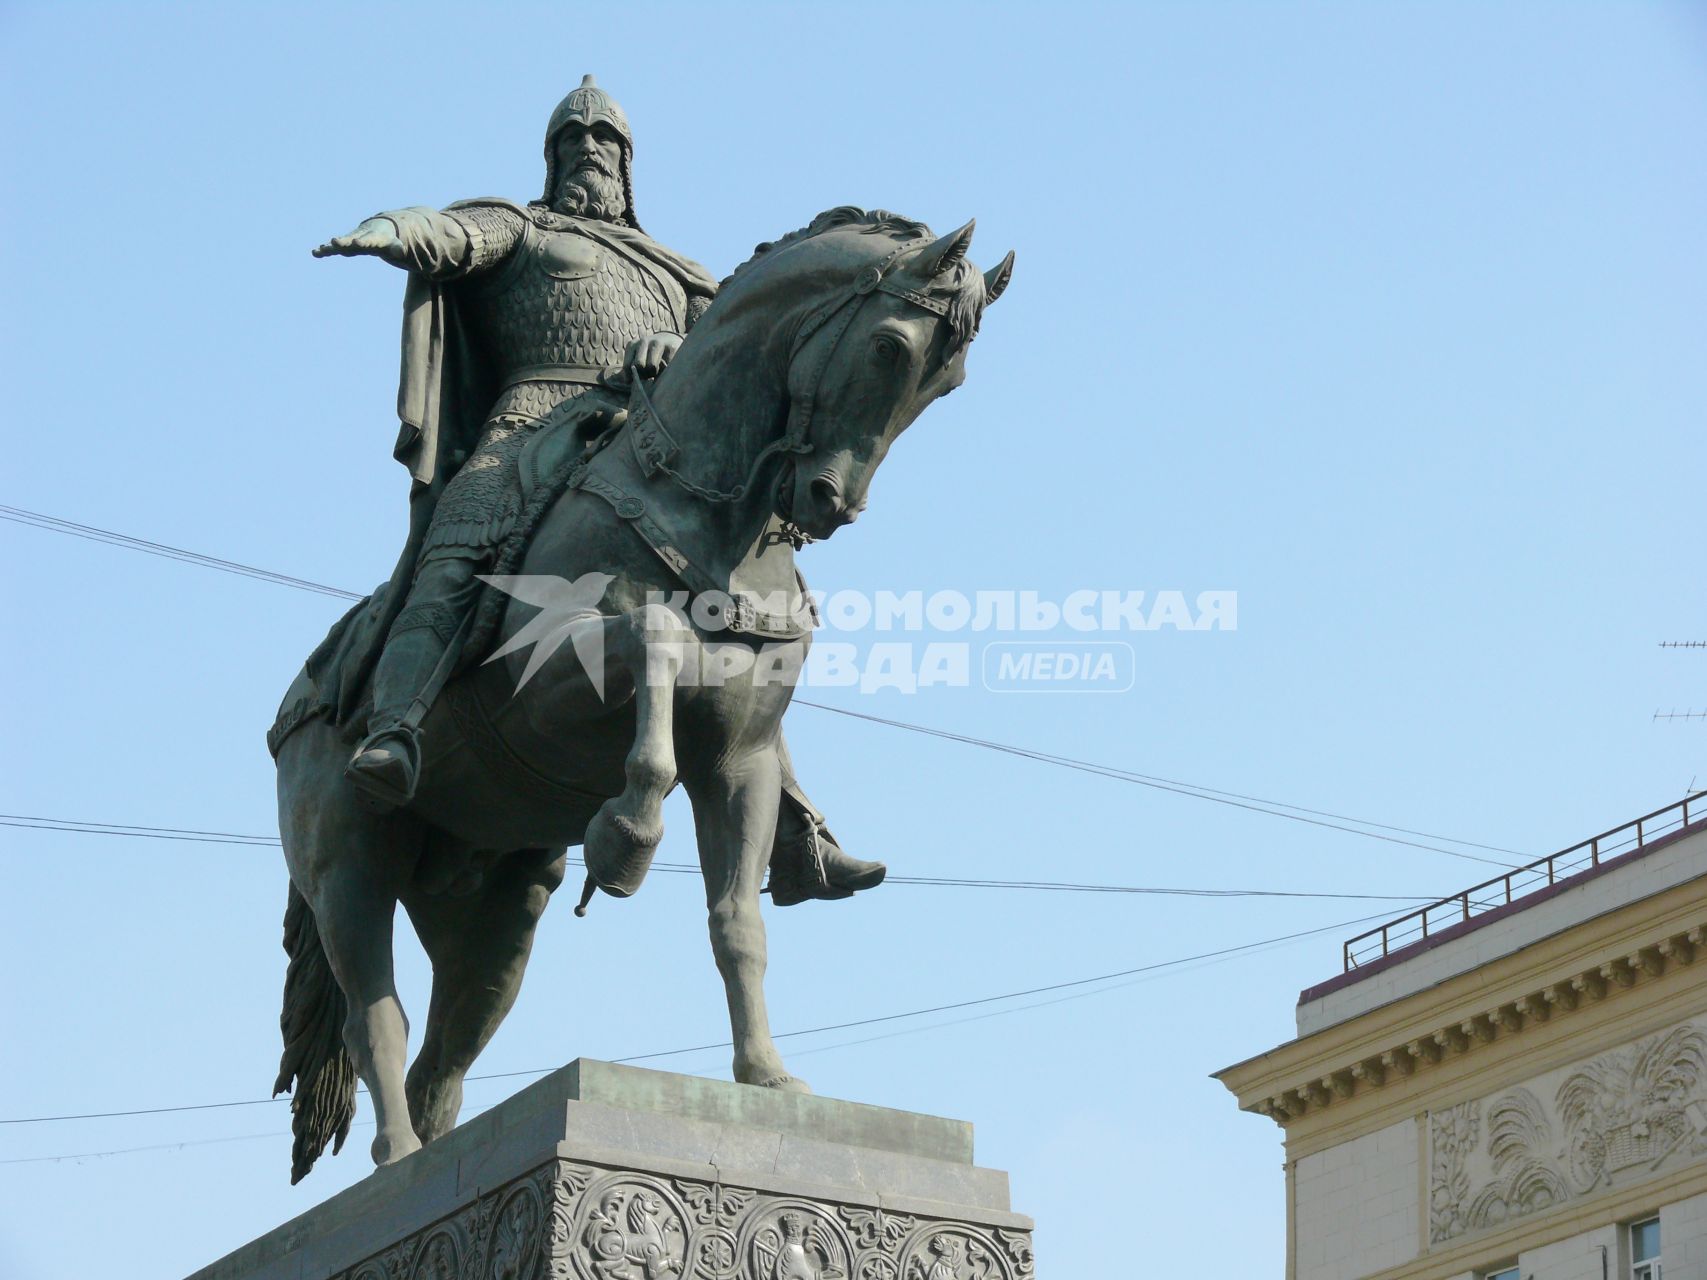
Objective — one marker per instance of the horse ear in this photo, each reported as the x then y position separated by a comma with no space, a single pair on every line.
942,255
997,277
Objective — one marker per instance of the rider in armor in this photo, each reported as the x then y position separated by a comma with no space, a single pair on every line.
529,307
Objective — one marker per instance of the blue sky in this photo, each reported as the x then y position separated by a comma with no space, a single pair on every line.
1386,317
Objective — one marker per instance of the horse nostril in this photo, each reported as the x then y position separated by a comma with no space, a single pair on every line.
824,491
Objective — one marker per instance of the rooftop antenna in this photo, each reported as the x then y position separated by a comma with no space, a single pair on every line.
1674,714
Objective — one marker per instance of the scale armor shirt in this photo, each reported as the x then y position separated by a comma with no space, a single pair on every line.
555,305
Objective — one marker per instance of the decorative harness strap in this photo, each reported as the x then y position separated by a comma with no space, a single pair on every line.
872,279
740,615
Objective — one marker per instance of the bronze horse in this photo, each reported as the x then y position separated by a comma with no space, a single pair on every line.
765,429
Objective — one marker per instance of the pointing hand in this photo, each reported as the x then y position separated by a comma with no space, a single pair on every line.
376,236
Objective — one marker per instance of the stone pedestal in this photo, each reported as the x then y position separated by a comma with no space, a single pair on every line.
602,1172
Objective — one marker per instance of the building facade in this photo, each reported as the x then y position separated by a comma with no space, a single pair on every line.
1512,1083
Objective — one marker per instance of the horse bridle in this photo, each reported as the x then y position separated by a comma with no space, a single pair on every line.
655,448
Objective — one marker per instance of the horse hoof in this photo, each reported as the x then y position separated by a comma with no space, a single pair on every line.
388,1149
618,850
786,1084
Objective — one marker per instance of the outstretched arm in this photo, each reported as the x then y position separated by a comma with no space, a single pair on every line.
434,243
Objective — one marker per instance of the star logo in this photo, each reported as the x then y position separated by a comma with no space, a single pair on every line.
567,611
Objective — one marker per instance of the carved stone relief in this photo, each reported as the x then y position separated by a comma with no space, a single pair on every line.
1607,1121
577,1222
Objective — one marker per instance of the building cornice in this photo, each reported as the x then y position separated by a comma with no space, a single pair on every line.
1404,1043
1499,1021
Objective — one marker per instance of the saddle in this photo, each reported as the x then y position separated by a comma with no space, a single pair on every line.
334,682
546,467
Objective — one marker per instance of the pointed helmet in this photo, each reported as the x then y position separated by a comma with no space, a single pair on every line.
589,105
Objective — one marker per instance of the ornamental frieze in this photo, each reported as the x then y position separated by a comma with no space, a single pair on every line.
569,1221
1604,1122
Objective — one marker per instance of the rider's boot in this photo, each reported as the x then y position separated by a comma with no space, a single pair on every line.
414,664
807,863
387,764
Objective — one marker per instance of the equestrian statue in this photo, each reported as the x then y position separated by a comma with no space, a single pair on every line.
606,446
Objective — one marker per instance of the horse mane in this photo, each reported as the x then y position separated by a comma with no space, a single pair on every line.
962,285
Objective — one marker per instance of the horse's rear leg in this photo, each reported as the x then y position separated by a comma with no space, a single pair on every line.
349,867
479,947
354,910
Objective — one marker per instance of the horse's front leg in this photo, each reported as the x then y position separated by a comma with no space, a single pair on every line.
624,834
735,811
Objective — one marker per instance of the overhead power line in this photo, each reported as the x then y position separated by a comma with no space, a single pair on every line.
194,836
1074,984
156,1146
1274,808
54,524
29,823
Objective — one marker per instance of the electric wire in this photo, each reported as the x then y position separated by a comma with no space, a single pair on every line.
27,822
1274,808
1074,984
54,524
1190,789
1280,809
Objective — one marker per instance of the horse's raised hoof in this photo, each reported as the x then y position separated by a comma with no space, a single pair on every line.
618,850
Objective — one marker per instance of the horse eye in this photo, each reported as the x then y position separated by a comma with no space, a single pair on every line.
886,347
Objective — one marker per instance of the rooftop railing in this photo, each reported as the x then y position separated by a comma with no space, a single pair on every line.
1523,881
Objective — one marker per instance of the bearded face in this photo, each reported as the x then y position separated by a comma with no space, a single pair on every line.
589,172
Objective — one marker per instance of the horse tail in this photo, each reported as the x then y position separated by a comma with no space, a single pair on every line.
316,1068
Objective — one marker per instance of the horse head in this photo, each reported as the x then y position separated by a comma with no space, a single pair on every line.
878,319
867,363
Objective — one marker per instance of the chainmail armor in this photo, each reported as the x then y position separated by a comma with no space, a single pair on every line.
586,315
532,318
493,232
481,503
